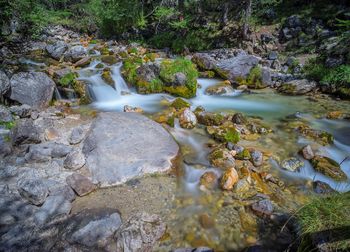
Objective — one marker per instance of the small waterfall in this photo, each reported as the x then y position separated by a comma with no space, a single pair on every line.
58,95
120,84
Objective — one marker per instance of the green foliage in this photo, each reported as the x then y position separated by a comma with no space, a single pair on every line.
180,65
8,125
254,79
232,135
115,16
339,76
323,213
67,79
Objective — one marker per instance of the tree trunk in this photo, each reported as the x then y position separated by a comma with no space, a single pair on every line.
246,16
225,14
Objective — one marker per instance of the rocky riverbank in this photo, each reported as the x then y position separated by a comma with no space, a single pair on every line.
205,176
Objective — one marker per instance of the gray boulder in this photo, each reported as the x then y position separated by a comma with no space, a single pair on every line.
5,114
32,88
74,160
75,53
33,190
53,206
140,233
76,136
297,87
263,207
21,111
25,132
257,157
204,61
238,66
121,146
57,49
148,71
4,83
97,233
45,151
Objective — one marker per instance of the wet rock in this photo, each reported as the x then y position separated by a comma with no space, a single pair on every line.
80,184
32,88
116,154
109,59
297,87
130,109
224,133
328,167
4,83
25,132
206,221
57,49
97,232
229,179
140,233
209,118
257,157
53,206
220,89
208,180
76,136
322,188
187,119
33,190
83,62
75,53
239,118
5,148
221,158
263,207
179,103
292,164
74,160
22,111
307,152
5,114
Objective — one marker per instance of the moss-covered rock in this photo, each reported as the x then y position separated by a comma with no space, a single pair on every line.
179,103
328,167
107,76
209,118
254,79
180,77
222,158
243,155
68,79
321,137
224,133
109,59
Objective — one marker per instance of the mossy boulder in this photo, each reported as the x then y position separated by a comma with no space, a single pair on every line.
107,76
255,78
179,77
209,118
109,59
297,87
68,79
321,137
222,158
224,133
179,103
243,155
328,167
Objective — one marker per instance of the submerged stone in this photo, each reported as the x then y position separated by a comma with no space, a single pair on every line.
292,164
121,146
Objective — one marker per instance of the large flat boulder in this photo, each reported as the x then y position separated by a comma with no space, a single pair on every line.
121,146
32,88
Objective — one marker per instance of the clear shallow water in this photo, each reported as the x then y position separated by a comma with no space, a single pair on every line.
266,104
190,202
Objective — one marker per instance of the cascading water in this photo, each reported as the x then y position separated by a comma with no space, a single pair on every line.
271,107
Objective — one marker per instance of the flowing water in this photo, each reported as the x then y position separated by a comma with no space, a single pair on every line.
190,202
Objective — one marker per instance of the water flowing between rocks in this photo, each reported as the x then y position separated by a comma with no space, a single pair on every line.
179,198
